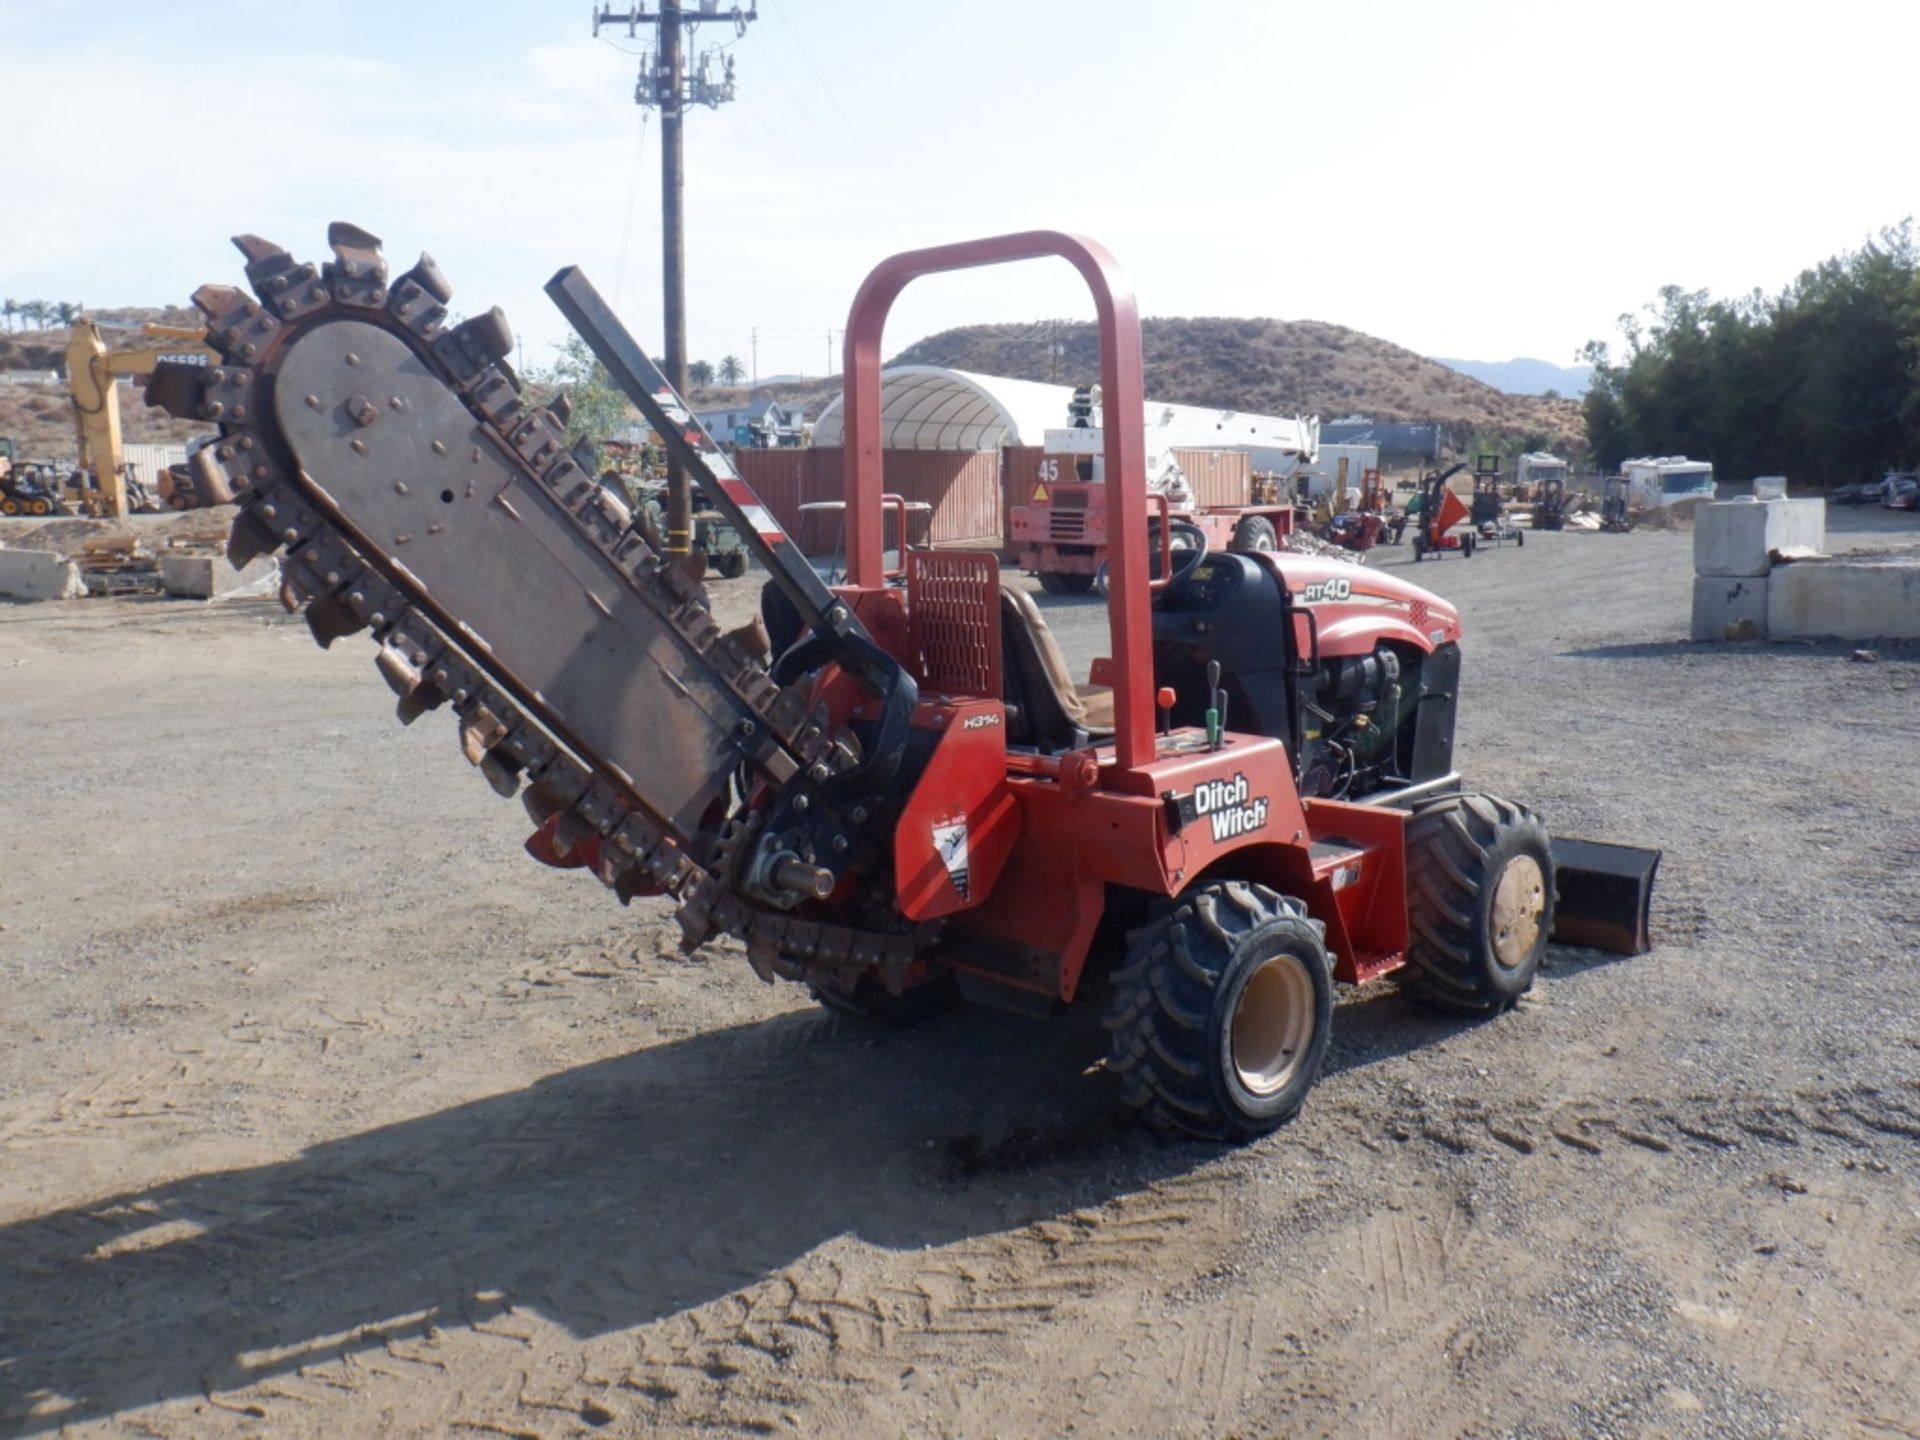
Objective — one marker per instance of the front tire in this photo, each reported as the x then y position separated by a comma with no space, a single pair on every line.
1056,582
1221,1013
731,564
1479,902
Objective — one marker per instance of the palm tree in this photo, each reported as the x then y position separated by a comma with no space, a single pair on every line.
700,373
11,308
67,312
35,311
731,370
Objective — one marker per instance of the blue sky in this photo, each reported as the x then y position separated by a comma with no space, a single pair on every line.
1479,178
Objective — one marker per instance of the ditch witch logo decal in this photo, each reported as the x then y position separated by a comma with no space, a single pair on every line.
950,842
1228,808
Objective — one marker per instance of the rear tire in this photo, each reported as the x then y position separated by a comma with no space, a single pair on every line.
871,1003
1479,902
1055,582
1520,537
1221,1013
1254,533
1419,549
732,565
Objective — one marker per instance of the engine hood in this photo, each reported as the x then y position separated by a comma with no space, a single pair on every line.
1356,607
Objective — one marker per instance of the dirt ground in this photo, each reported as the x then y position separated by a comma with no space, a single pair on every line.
324,1111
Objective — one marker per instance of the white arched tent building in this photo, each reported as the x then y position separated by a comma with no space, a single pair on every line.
955,440
929,407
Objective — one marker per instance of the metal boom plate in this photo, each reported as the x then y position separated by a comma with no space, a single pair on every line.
491,551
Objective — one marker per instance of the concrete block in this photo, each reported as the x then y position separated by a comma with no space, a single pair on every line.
1723,600
39,575
201,577
1735,537
1850,599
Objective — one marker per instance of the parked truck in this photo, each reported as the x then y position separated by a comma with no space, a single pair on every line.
1060,523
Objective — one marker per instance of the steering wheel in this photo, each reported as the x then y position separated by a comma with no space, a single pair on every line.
1185,557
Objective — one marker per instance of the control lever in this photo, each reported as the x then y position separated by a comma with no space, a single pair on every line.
1216,705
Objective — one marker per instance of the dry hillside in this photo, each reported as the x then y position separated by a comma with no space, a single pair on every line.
1270,366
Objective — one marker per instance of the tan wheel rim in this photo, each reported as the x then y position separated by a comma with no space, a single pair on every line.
1519,902
1273,1025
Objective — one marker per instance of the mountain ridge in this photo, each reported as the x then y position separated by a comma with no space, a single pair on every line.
1266,366
1525,375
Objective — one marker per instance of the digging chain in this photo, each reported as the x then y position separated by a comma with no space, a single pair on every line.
345,584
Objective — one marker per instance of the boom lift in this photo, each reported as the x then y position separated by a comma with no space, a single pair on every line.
913,801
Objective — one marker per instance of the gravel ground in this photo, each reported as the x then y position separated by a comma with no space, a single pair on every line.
324,1111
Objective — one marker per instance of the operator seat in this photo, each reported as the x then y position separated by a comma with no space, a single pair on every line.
1044,706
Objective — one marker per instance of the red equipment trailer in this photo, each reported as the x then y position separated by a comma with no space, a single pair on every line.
914,800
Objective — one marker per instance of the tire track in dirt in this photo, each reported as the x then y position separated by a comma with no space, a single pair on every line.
1856,1118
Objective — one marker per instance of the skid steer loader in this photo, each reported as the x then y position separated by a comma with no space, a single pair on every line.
909,800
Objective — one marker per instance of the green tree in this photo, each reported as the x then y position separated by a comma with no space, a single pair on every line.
731,370
700,373
66,312
35,312
1820,382
10,308
600,410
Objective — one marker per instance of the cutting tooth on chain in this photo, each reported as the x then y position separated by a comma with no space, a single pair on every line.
479,733
426,274
330,618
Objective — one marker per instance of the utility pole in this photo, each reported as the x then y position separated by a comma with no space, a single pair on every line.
666,82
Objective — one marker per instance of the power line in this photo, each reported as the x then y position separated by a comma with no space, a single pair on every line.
633,196
833,100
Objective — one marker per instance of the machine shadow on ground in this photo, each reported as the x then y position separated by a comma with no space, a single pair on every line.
600,1198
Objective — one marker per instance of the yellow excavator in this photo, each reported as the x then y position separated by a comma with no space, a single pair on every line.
100,487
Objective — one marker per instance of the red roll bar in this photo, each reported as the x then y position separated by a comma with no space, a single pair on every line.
1128,617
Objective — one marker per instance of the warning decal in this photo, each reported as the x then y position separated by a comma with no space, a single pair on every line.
1040,493
950,841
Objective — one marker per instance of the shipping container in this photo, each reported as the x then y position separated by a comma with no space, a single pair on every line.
1218,477
961,486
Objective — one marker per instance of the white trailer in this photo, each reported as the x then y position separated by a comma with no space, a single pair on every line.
1668,479
1530,469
